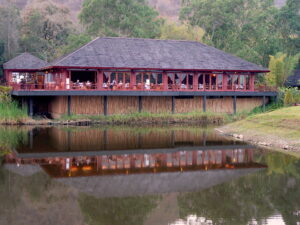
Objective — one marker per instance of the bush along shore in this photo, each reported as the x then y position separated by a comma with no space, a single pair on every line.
126,119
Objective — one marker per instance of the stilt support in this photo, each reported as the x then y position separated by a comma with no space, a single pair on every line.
204,103
173,104
105,105
234,104
140,104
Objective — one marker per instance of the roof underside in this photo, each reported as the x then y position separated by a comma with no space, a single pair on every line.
153,54
25,61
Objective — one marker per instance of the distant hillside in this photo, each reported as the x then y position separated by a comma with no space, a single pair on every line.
166,8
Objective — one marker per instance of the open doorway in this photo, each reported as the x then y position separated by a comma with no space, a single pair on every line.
83,76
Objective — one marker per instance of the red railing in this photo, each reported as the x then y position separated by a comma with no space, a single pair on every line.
129,87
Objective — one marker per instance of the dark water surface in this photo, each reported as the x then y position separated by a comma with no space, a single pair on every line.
134,176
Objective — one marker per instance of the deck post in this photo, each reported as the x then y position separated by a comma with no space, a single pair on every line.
99,80
30,106
234,104
165,81
204,103
140,104
69,105
173,104
105,105
264,103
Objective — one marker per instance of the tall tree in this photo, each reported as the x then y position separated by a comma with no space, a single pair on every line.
132,18
45,30
243,27
172,30
288,24
281,66
9,26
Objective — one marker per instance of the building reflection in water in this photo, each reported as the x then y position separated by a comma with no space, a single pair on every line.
134,163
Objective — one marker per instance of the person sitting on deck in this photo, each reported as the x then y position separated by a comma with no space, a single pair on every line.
127,85
104,85
120,84
88,84
112,84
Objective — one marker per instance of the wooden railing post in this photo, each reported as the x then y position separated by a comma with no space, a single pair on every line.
252,76
195,81
224,87
99,79
132,79
165,81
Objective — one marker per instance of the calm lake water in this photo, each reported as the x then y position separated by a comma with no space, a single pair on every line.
142,176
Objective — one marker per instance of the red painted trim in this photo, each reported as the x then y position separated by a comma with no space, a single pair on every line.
159,69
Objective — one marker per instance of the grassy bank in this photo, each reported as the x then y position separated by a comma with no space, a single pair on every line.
10,113
279,128
151,118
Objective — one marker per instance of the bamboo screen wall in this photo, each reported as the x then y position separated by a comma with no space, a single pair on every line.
122,105
94,105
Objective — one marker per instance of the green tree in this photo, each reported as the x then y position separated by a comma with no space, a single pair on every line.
171,30
281,66
132,18
75,41
45,30
9,26
288,23
245,28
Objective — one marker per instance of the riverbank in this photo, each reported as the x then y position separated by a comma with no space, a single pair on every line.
195,118
279,129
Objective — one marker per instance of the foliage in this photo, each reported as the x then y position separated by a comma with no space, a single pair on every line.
9,26
247,28
288,98
281,66
132,18
5,94
75,41
45,30
171,30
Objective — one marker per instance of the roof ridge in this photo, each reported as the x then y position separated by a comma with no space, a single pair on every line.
153,39
63,57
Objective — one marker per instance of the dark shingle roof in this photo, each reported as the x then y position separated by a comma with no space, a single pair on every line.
294,80
153,54
25,61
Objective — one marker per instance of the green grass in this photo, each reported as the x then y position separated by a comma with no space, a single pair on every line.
283,122
11,113
144,117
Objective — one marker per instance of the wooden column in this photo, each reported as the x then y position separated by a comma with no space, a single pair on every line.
69,105
252,82
173,104
195,81
99,79
234,104
204,103
165,81
264,103
105,105
132,79
224,84
140,104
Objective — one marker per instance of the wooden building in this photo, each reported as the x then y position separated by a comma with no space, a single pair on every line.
125,75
